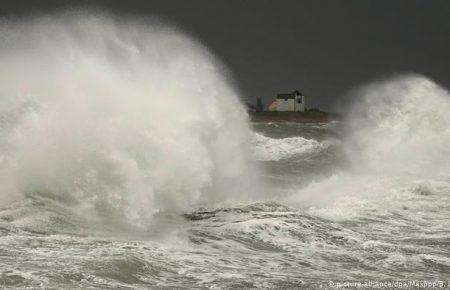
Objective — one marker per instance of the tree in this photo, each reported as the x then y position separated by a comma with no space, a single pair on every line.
259,105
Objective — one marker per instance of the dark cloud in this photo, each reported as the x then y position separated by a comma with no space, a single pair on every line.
323,48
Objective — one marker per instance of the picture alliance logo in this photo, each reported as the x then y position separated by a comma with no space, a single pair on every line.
410,284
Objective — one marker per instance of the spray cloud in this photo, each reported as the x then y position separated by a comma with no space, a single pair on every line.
119,116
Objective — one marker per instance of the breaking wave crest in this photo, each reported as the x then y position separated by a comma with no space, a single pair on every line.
397,144
401,125
273,149
117,118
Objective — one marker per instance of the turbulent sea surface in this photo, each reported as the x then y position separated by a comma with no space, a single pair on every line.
402,233
127,161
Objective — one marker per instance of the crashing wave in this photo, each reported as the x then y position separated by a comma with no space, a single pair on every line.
272,149
117,116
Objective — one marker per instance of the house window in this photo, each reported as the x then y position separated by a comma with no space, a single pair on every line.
299,100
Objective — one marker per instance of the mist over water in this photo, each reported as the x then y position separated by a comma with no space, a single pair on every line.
110,123
400,125
117,117
395,138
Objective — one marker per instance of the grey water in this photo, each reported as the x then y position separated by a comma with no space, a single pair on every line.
269,244
127,160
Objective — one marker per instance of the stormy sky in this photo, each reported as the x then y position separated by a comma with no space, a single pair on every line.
323,48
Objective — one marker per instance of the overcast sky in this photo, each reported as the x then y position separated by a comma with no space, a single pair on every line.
322,48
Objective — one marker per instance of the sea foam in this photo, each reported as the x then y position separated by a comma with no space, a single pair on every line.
396,142
118,118
275,149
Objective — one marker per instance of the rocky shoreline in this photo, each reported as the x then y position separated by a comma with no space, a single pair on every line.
300,117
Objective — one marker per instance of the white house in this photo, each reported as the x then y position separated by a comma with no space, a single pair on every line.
294,101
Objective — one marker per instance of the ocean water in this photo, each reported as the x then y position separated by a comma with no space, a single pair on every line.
128,161
382,229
